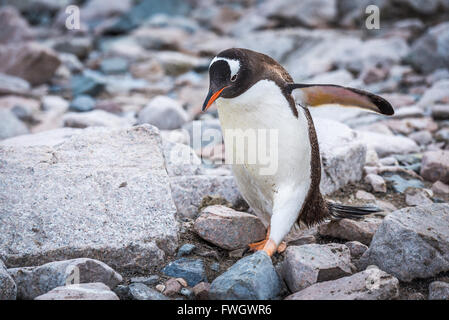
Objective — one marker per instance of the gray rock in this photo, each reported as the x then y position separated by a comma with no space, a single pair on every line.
35,281
79,46
114,65
46,138
13,85
227,228
139,291
386,145
113,180
189,191
191,270
122,292
82,103
13,27
429,52
177,63
440,111
357,249
83,291
400,184
307,264
88,83
8,288
439,290
343,154
352,230
186,249
371,284
251,278
201,291
377,182
149,281
412,243
10,125
181,160
164,113
417,197
438,92
435,166
94,118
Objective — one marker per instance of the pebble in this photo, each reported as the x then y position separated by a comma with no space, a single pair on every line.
82,103
139,291
435,166
201,290
191,270
185,250
439,290
440,187
172,287
377,182
149,281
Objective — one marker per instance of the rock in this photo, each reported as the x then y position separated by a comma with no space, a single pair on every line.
88,83
307,264
363,195
186,249
251,278
309,13
356,249
95,118
417,197
167,38
29,61
177,63
400,184
13,28
10,126
412,242
122,292
343,154
435,166
439,290
13,85
442,135
440,187
438,92
164,113
188,293
201,291
192,270
377,182
148,281
45,138
440,111
386,145
78,46
8,288
429,52
172,287
35,281
422,137
181,160
114,65
371,284
352,230
54,103
227,228
113,180
82,103
139,291
84,291
94,10
188,191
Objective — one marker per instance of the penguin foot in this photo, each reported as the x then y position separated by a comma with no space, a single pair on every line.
257,246
282,247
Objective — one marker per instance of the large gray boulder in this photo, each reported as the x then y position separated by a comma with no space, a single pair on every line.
35,281
371,284
251,278
310,263
412,243
8,288
103,193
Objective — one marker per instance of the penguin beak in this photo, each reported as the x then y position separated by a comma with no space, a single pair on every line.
211,97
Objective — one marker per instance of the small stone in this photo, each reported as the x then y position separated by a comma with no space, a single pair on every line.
122,292
440,187
252,277
201,291
237,253
440,111
422,137
400,184
10,125
114,65
35,281
363,195
435,166
357,249
139,291
83,291
160,287
149,281
172,287
88,83
307,264
164,113
192,270
352,230
187,293
227,228
377,182
417,197
182,282
439,290
215,267
371,284
185,250
82,103
389,161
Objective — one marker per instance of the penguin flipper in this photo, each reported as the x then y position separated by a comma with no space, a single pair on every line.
319,94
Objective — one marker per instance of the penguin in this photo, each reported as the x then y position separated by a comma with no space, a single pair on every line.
252,92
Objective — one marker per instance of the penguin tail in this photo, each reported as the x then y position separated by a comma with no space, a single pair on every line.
340,211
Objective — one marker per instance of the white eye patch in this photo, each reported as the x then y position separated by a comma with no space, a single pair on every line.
234,65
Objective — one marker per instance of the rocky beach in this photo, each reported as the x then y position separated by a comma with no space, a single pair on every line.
113,183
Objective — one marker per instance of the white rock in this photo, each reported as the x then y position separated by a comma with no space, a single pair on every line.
377,182
386,145
95,118
164,113
83,291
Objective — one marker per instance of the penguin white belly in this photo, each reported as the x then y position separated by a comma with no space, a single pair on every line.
279,187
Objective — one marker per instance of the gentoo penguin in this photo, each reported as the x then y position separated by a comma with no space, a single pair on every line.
252,91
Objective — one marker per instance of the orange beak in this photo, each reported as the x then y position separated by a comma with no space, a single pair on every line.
211,97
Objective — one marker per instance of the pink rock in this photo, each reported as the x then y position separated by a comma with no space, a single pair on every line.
440,187
201,290
435,166
352,230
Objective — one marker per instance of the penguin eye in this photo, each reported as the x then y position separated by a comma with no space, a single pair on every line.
234,77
